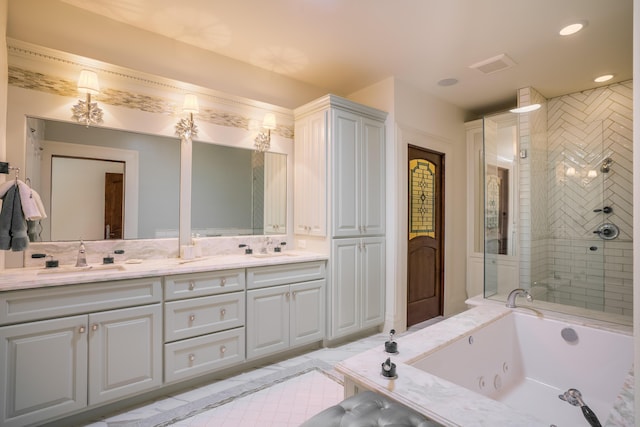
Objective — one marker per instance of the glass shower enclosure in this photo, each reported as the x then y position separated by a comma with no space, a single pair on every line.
557,191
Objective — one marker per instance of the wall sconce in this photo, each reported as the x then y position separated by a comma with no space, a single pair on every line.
186,128
85,111
263,140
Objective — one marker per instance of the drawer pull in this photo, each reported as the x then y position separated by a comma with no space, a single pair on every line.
223,281
223,311
94,327
192,318
192,357
223,349
82,329
192,285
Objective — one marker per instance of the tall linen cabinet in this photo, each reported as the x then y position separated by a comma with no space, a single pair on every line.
339,206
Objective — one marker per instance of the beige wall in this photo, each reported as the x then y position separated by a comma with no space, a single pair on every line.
422,120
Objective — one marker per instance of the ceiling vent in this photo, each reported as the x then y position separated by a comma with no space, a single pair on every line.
495,64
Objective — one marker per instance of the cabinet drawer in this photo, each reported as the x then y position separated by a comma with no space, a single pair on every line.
201,284
198,316
261,277
198,356
57,301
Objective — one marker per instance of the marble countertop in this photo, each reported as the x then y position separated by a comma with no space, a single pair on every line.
439,399
38,277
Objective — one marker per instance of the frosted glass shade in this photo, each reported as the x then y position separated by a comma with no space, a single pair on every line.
190,104
88,82
269,121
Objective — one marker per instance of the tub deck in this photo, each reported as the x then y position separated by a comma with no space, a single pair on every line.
444,401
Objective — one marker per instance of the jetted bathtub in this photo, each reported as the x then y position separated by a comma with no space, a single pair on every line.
491,366
526,361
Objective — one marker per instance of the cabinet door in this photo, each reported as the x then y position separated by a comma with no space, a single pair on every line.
372,178
372,253
267,321
310,180
345,147
44,370
275,193
307,312
345,295
125,352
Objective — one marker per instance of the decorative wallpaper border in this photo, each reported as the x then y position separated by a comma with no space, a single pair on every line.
27,79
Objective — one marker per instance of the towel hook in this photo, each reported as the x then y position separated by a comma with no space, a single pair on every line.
27,181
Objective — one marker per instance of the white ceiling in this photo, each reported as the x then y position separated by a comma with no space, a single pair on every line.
345,45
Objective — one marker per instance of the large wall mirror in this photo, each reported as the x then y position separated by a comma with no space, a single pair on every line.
99,183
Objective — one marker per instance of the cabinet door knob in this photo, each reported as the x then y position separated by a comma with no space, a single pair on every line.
94,327
223,311
293,293
287,294
192,285
82,329
223,281
192,318
192,357
223,349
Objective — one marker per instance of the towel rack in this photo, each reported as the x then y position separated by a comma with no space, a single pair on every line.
5,168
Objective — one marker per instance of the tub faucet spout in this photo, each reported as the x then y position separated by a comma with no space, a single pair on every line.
511,299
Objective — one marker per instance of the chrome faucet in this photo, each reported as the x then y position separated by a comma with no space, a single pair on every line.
82,256
511,299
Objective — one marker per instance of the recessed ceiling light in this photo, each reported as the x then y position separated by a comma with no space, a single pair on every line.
572,29
448,82
604,78
525,109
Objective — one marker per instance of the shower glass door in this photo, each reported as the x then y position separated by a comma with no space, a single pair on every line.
500,211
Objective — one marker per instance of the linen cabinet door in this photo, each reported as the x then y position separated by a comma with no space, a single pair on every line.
372,179
44,370
345,288
373,289
345,146
125,352
267,320
307,312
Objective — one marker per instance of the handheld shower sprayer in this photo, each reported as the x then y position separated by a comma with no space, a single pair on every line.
574,397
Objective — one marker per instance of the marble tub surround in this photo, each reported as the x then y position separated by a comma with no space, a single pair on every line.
441,400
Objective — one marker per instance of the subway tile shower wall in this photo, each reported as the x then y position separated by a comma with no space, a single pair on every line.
568,263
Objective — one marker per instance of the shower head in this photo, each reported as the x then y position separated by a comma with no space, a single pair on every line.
606,165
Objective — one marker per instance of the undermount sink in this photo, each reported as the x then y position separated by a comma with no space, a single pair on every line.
87,269
272,254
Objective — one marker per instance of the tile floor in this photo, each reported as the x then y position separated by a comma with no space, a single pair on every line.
287,397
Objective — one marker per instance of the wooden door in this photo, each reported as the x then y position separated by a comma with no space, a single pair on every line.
426,241
113,197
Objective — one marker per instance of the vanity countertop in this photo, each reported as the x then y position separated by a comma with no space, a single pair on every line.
39,277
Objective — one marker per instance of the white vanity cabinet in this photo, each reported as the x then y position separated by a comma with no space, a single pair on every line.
357,291
204,316
69,347
353,140
285,307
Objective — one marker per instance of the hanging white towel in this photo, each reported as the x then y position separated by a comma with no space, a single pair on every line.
32,207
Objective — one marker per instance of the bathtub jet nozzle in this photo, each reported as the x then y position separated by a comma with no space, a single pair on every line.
574,397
